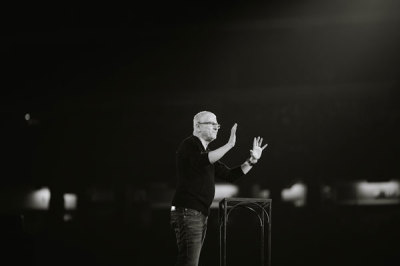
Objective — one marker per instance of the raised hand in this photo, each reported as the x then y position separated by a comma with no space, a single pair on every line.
256,152
232,138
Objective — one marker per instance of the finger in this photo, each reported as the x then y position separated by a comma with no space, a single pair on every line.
254,142
264,146
233,130
260,142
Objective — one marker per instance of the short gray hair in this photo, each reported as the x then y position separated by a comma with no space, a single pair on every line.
197,117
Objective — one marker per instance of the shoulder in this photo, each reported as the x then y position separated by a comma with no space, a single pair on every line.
189,143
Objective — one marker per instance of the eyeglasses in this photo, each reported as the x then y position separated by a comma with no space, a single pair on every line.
210,123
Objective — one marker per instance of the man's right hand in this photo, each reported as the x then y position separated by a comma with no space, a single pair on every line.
232,138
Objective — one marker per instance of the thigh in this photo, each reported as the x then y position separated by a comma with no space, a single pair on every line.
190,227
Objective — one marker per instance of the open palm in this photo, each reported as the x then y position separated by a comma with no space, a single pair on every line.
257,150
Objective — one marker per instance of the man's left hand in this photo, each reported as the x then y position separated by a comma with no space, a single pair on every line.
256,152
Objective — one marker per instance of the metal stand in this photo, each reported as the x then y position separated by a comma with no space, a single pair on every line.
260,207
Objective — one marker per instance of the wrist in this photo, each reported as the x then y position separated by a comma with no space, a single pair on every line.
254,160
251,161
230,145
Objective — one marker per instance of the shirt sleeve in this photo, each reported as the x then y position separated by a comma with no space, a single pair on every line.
228,174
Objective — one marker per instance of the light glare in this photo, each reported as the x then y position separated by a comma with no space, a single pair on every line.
296,194
224,191
70,201
38,199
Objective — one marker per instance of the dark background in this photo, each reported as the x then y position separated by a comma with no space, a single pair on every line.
112,90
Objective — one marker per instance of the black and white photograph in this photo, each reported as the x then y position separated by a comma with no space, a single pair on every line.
200,133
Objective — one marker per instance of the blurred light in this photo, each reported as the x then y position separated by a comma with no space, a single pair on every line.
377,189
38,199
27,116
378,192
224,191
296,194
257,192
265,193
70,201
67,217
327,192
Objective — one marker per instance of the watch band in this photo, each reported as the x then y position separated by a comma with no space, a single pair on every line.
250,163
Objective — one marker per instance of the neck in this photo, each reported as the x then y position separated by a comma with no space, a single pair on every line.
203,141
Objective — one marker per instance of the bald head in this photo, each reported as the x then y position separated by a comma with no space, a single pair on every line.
205,126
202,116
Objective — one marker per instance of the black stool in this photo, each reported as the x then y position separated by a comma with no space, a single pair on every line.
261,208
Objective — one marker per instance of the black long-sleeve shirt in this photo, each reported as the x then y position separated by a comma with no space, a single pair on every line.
196,176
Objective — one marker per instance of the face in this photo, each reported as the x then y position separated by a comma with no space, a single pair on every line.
208,127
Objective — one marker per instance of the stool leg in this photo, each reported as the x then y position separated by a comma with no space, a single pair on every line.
222,234
262,239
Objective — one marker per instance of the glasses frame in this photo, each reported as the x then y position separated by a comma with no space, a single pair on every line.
210,123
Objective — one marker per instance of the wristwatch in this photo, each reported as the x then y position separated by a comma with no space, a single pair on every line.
250,163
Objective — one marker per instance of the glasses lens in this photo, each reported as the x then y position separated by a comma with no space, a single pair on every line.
211,124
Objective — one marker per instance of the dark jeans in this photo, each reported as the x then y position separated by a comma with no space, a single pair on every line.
190,228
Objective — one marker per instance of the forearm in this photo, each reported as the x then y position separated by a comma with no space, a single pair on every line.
247,165
217,154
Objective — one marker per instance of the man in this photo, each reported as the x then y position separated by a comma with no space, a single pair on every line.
197,167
